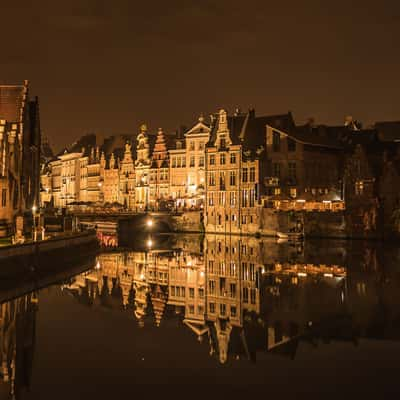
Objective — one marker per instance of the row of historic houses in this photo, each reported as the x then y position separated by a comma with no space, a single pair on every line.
233,168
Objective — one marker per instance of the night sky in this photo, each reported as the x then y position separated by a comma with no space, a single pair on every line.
108,66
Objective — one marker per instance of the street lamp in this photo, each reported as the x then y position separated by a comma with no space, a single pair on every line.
149,222
34,208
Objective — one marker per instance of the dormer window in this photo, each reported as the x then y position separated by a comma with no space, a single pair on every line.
222,143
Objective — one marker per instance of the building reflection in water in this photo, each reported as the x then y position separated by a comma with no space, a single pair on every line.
245,296
17,344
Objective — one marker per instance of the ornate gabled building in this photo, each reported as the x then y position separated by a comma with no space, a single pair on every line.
159,172
235,159
20,143
127,179
142,170
196,139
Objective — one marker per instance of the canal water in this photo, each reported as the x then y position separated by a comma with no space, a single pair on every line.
316,318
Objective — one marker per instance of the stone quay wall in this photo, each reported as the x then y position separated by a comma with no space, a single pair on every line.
46,255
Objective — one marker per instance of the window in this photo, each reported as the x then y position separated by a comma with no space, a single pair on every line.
183,162
4,197
245,295
211,286
245,198
212,159
212,179
276,169
201,293
244,175
191,309
359,188
252,174
233,158
291,144
192,161
232,178
233,311
232,290
293,192
232,198
252,197
222,159
292,170
253,296
222,180
201,145
222,309
222,143
276,141
212,308
211,199
201,161
191,145
191,293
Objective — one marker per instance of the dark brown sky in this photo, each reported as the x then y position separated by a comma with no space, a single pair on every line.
107,66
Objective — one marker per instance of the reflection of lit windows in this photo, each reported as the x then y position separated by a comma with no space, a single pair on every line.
191,293
293,192
359,188
233,311
212,308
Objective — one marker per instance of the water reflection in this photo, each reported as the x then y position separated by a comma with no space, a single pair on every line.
240,298
17,341
244,296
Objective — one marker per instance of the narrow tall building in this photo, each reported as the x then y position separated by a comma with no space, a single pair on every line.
19,155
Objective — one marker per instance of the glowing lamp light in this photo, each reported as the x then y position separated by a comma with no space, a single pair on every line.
149,243
302,274
202,273
142,277
149,223
301,201
327,275
34,209
98,265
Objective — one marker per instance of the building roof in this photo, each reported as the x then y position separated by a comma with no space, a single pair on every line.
388,131
12,100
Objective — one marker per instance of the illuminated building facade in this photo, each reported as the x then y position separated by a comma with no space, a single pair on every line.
20,144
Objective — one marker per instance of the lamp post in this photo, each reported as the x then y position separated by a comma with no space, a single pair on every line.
34,208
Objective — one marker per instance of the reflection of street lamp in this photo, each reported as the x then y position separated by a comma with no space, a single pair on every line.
149,222
149,243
